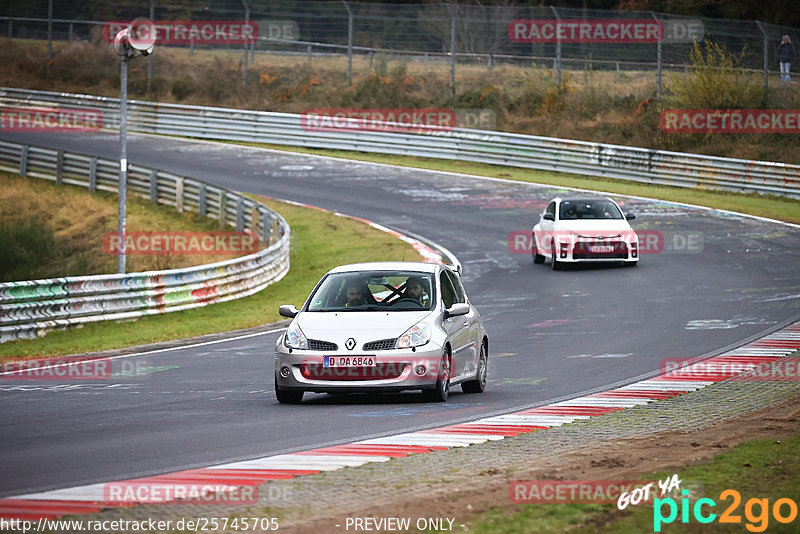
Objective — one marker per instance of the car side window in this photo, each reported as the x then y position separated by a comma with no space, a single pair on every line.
551,209
448,294
457,286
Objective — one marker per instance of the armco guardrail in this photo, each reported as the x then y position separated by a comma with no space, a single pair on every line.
30,307
534,152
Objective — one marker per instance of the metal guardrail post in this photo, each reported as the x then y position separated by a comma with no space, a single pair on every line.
239,215
452,50
349,42
766,62
223,201
154,186
201,200
23,161
558,50
179,195
59,167
93,174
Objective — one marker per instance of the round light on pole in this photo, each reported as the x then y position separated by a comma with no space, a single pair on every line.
137,39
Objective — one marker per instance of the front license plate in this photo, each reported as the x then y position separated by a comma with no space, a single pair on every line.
600,249
349,361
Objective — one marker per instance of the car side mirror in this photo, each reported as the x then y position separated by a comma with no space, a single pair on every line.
288,310
549,217
455,310
630,217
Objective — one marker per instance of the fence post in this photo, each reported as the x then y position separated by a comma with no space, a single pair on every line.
150,56
308,51
223,201
244,65
349,43
10,29
766,62
179,195
658,69
70,31
452,49
558,50
49,29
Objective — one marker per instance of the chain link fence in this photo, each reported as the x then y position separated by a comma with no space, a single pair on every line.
444,35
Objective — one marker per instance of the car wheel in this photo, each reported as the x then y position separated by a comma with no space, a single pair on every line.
442,389
557,265
285,396
479,384
537,258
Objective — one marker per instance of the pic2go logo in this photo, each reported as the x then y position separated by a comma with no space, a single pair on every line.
756,511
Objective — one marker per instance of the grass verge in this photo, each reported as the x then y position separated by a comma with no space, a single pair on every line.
773,207
757,469
320,241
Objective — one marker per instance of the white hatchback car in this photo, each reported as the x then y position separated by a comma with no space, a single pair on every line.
381,327
583,229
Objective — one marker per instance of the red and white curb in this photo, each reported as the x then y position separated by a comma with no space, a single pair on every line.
232,476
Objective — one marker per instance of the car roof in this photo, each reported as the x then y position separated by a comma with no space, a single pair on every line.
416,266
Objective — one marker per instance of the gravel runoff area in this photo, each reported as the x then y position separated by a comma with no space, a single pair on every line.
462,482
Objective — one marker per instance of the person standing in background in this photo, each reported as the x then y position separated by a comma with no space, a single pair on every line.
785,55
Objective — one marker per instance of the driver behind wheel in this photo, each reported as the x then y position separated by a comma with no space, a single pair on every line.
414,289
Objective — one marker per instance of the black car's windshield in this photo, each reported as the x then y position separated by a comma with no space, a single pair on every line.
589,209
374,291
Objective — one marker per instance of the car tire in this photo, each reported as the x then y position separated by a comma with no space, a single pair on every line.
442,389
287,396
556,265
537,258
479,384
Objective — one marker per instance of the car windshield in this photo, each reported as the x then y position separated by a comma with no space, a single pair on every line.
374,291
589,209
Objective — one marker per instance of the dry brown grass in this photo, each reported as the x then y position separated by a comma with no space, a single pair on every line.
601,106
69,224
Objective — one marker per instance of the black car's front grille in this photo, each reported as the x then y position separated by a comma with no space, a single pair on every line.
316,344
381,344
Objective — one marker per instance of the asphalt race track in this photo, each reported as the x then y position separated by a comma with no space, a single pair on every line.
552,334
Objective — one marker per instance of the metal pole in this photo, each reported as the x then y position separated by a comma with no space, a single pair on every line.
49,29
452,50
766,61
70,32
247,20
123,158
558,50
150,57
658,70
349,42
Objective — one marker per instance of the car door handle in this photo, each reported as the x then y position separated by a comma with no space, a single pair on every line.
466,323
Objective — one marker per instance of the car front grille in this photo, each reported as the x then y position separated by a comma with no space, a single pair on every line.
381,344
316,344
619,250
384,371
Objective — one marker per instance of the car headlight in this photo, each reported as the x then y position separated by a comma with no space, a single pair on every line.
417,335
294,337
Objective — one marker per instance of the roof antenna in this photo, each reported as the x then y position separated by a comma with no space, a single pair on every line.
405,245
